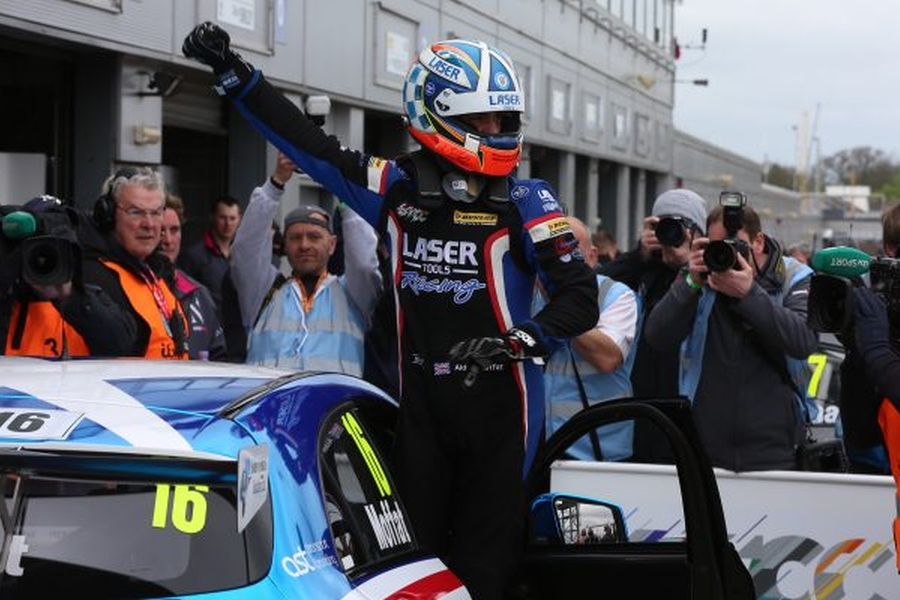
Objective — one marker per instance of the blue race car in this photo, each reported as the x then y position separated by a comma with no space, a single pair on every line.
161,479
143,479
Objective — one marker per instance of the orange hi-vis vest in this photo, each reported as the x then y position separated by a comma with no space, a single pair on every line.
45,333
889,420
141,296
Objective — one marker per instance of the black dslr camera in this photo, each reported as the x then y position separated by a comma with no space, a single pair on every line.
39,247
670,231
721,255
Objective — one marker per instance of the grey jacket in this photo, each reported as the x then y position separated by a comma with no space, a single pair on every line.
251,256
744,405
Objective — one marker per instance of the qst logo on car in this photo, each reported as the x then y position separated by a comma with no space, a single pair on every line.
306,559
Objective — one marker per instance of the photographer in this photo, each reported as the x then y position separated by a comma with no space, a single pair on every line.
678,216
45,307
746,337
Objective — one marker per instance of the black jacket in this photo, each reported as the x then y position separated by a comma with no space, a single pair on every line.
744,406
655,372
99,247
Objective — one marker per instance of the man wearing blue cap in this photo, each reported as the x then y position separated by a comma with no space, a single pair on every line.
313,320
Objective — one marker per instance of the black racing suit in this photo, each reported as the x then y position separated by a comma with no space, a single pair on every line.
460,270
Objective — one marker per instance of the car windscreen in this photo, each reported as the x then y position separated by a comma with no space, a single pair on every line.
120,539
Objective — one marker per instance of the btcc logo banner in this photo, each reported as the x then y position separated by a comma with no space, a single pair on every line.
474,218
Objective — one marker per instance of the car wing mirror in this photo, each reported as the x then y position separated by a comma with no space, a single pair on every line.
575,521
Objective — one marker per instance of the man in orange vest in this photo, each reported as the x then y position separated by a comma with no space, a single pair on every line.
41,316
126,262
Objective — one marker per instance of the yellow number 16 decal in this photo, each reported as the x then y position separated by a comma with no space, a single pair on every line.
188,507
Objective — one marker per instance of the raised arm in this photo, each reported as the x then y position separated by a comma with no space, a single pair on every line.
362,278
252,271
357,179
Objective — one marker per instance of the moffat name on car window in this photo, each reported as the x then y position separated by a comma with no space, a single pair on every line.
388,524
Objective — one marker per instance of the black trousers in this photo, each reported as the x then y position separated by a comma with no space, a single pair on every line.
459,458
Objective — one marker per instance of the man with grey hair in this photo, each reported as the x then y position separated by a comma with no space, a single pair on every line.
312,320
126,263
677,217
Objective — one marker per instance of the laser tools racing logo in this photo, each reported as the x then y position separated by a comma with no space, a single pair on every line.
462,290
442,258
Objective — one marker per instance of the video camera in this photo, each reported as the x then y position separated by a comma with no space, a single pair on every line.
838,271
38,245
721,255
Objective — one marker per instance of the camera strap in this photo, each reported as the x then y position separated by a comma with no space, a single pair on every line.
595,441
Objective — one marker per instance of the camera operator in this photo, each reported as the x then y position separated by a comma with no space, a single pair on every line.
45,307
677,217
870,376
747,340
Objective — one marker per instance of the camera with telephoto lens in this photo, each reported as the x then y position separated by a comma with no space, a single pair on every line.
838,271
670,231
39,247
721,255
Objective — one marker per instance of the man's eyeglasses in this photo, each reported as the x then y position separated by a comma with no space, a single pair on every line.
137,214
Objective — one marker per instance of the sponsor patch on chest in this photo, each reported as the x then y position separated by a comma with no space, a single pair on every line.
461,217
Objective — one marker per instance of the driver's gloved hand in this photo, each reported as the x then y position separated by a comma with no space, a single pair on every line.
210,44
516,344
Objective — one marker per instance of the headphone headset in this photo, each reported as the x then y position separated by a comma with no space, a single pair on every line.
105,206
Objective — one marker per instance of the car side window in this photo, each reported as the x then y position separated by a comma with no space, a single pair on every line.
365,514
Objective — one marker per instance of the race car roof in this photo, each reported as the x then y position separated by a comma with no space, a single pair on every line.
125,406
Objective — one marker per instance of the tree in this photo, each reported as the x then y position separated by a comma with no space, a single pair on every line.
862,165
891,190
780,175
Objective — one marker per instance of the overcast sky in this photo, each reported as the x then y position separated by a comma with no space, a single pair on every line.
768,60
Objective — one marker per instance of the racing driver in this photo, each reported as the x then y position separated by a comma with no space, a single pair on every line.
467,241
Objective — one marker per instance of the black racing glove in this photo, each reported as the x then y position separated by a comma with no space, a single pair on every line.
480,353
210,44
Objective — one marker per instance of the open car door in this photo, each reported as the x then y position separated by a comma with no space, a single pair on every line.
581,547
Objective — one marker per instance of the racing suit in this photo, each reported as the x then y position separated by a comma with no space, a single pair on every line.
460,270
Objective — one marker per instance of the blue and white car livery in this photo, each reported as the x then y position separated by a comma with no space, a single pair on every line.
136,478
